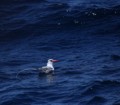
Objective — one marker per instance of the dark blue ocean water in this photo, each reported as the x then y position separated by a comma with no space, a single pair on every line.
83,34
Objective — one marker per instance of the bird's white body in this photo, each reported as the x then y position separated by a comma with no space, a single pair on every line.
49,68
50,64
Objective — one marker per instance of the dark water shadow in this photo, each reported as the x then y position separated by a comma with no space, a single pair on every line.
49,78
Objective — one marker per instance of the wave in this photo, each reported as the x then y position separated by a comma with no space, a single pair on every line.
53,15
99,91
31,19
101,85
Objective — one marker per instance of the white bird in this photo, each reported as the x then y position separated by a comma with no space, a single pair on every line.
49,67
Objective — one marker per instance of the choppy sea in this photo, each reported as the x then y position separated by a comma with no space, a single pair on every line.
84,35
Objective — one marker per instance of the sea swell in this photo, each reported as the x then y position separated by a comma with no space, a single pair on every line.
21,18
83,35
54,14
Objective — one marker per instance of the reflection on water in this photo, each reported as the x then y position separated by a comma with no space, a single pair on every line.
50,78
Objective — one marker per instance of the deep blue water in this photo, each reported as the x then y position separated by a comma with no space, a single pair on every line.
83,34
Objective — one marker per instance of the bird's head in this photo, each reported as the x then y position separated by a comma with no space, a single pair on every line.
53,60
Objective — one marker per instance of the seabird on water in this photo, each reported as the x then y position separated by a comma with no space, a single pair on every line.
49,68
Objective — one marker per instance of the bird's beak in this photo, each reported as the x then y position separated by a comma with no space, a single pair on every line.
55,60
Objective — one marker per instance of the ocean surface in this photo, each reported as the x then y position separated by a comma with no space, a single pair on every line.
84,35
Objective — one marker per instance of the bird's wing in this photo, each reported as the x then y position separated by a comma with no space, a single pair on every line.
46,69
